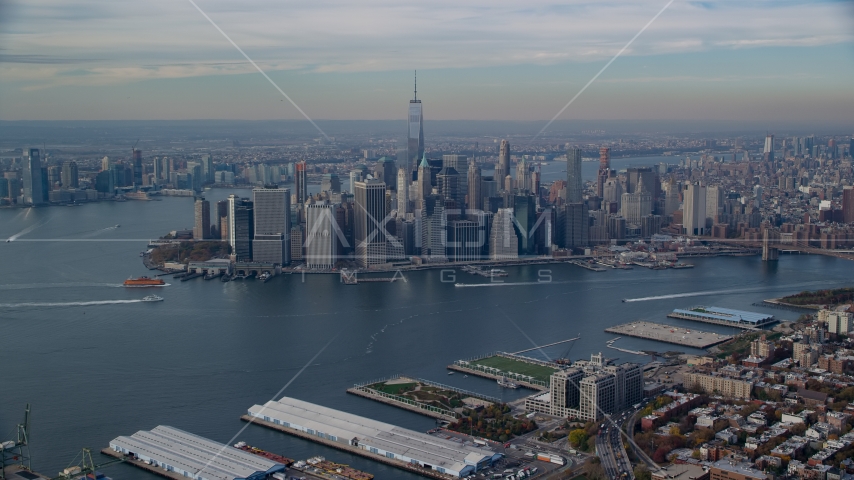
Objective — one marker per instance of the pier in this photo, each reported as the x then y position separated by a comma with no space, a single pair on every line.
669,334
191,276
407,401
409,467
175,476
725,316
610,344
592,268
780,304
496,377
352,278
524,371
546,345
489,273
140,464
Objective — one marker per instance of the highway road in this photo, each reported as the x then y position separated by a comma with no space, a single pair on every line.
630,431
612,454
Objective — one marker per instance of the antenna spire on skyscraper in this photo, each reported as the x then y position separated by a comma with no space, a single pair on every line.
416,85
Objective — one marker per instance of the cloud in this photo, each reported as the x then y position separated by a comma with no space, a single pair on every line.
115,42
42,59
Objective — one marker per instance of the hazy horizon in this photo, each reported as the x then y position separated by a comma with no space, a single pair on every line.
763,62
16,134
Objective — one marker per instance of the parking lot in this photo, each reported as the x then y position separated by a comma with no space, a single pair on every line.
517,457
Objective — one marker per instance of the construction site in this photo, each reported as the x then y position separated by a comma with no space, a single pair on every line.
15,461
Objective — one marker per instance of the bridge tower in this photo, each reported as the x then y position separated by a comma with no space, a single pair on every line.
770,242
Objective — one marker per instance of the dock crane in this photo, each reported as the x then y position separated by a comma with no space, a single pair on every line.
564,359
84,467
16,452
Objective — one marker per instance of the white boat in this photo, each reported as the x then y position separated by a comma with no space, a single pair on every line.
504,382
450,373
152,298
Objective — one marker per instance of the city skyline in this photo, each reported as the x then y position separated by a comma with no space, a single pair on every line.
228,217
698,60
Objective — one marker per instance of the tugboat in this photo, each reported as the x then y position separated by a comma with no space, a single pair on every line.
144,282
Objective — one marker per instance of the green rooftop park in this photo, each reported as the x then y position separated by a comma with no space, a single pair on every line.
539,372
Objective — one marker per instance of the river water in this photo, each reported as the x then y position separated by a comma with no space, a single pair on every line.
96,363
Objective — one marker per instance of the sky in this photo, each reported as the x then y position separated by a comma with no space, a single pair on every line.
757,60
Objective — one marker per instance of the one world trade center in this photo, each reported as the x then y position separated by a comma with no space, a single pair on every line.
415,146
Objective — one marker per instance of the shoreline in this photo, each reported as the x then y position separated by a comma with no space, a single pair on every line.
450,266
778,302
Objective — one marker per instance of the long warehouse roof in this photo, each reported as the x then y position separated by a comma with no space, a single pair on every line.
727,314
428,449
197,455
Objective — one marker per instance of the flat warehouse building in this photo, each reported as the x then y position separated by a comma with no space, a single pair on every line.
378,438
193,456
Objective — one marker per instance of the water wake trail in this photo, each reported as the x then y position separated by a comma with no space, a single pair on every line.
96,232
68,304
505,284
26,286
681,295
26,230
717,292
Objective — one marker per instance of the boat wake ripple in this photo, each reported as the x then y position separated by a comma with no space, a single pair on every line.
68,304
719,292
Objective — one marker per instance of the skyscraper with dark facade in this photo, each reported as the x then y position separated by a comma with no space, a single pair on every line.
475,190
524,213
202,224
577,225
574,185
447,185
301,183
415,142
386,171
434,223
271,241
221,219
502,169
848,204
370,218
33,185
604,170
136,165
208,168
240,227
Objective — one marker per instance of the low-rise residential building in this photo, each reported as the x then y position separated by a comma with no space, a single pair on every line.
681,472
718,385
790,448
732,469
